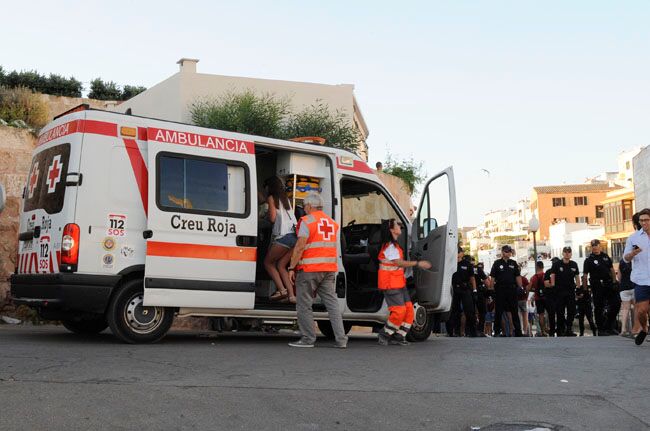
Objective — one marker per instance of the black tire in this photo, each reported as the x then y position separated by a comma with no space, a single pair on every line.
86,326
422,324
133,323
325,327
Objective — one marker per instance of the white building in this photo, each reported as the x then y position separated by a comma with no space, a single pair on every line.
641,165
574,235
172,98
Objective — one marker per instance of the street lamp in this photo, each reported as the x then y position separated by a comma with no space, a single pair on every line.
533,226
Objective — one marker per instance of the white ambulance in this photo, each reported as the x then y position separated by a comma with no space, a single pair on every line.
129,221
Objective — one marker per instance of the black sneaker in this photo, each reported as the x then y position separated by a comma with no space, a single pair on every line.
301,343
382,338
640,338
398,340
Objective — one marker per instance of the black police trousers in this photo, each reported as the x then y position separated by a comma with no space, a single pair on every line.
565,309
506,301
607,304
479,302
550,302
462,296
584,311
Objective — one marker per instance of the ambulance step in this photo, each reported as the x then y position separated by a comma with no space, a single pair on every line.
278,322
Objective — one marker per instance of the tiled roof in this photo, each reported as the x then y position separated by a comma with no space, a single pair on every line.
577,188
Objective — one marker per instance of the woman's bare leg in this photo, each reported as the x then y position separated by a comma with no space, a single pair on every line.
274,254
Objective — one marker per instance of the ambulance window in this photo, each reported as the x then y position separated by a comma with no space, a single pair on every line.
45,188
201,185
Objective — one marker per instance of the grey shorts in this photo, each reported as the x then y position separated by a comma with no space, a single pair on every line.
287,241
523,306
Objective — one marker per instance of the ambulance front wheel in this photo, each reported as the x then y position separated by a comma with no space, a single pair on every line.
325,327
131,321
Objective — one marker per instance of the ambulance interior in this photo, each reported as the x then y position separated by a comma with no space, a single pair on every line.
364,208
301,173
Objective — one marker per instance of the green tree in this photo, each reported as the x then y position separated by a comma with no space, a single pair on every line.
130,91
318,120
271,116
410,171
101,90
245,112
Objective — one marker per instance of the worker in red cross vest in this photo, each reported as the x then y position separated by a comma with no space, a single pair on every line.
392,282
313,269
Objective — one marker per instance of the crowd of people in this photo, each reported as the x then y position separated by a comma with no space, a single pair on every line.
506,303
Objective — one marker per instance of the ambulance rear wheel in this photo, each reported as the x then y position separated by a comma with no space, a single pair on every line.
325,327
86,326
422,324
131,321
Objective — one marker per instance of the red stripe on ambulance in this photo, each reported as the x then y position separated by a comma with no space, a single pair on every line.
202,141
77,126
140,171
200,251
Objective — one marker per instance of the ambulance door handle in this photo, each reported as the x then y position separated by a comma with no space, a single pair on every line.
80,178
146,234
246,241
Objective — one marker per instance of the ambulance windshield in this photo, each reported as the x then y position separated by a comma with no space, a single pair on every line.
45,188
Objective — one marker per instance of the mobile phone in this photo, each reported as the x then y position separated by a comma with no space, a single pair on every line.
635,247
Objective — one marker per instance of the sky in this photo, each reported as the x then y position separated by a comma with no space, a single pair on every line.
535,92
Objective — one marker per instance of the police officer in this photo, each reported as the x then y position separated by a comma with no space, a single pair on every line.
463,285
480,297
565,276
550,300
505,277
600,268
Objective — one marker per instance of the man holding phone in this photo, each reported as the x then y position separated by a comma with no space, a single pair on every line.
637,250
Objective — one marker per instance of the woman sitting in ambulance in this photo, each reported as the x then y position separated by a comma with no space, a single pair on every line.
284,239
392,282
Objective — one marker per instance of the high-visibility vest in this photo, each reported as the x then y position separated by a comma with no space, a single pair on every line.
390,276
320,251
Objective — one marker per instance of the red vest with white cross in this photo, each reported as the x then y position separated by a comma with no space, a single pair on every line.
320,252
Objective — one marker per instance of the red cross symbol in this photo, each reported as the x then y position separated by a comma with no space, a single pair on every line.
33,180
326,229
54,174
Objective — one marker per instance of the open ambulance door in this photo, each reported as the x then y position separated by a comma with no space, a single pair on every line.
202,221
434,238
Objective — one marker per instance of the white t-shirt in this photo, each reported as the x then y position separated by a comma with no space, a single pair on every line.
391,252
285,220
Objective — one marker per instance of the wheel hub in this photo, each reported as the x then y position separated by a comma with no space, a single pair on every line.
142,319
420,317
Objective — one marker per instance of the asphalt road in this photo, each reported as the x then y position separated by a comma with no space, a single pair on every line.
51,379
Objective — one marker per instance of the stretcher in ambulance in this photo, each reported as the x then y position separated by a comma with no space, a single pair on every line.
129,221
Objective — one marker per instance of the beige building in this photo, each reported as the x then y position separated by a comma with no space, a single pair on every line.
572,203
172,98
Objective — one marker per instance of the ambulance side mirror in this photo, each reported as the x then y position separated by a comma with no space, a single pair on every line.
3,197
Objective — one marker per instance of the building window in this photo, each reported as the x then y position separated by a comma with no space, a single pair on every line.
582,219
599,211
627,165
580,201
558,220
201,185
559,202
627,210
581,251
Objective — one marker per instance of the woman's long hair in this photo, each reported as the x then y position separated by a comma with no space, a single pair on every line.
277,190
386,236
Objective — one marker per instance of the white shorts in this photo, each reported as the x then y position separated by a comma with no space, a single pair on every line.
627,295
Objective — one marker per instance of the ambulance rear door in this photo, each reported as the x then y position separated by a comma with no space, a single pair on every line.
434,238
202,220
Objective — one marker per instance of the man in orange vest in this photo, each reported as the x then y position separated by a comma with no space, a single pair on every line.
313,269
391,280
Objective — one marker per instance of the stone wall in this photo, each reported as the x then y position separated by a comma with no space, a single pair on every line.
16,146
397,187
59,104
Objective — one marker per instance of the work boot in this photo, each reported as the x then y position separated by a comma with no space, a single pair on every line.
382,338
399,340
